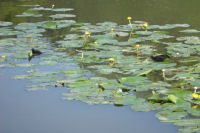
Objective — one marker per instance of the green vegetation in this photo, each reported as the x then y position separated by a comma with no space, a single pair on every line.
107,63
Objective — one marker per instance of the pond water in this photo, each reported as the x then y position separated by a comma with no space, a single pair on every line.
92,54
44,111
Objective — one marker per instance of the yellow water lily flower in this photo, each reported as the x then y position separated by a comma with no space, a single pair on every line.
3,56
195,95
137,45
112,30
195,106
111,60
129,18
145,25
87,34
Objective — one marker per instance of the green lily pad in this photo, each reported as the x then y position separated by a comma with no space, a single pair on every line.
187,122
57,24
190,31
167,115
189,39
41,9
62,9
29,15
28,5
128,100
3,23
134,81
144,107
60,16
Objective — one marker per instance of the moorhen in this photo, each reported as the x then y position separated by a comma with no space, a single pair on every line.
159,58
33,53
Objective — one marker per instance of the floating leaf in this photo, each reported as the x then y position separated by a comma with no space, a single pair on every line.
8,32
172,98
167,115
189,39
128,100
29,15
60,16
144,107
62,9
190,31
3,23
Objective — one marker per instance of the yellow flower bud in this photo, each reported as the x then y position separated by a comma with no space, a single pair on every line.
3,56
111,60
195,96
87,34
112,30
129,18
195,106
137,45
145,25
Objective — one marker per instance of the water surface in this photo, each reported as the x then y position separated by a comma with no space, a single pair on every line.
44,111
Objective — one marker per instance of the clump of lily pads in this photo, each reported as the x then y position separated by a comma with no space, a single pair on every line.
137,64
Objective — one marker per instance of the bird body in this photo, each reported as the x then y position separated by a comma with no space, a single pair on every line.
35,52
159,58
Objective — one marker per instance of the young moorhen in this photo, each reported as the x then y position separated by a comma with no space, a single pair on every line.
35,52
159,58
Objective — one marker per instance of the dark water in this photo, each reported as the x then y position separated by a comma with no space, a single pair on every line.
45,112
152,11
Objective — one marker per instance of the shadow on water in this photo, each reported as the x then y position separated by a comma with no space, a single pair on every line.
44,112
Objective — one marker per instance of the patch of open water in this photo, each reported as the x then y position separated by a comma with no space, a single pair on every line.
45,112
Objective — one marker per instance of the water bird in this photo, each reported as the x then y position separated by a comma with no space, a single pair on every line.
159,58
34,52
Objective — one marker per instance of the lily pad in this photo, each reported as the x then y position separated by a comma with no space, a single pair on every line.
190,31
144,107
128,100
60,16
62,9
29,15
170,115
3,23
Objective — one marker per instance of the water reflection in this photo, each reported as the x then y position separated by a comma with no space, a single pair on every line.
152,11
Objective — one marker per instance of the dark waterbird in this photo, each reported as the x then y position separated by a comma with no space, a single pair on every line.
159,58
34,52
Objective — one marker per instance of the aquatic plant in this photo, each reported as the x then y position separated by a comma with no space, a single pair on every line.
106,63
